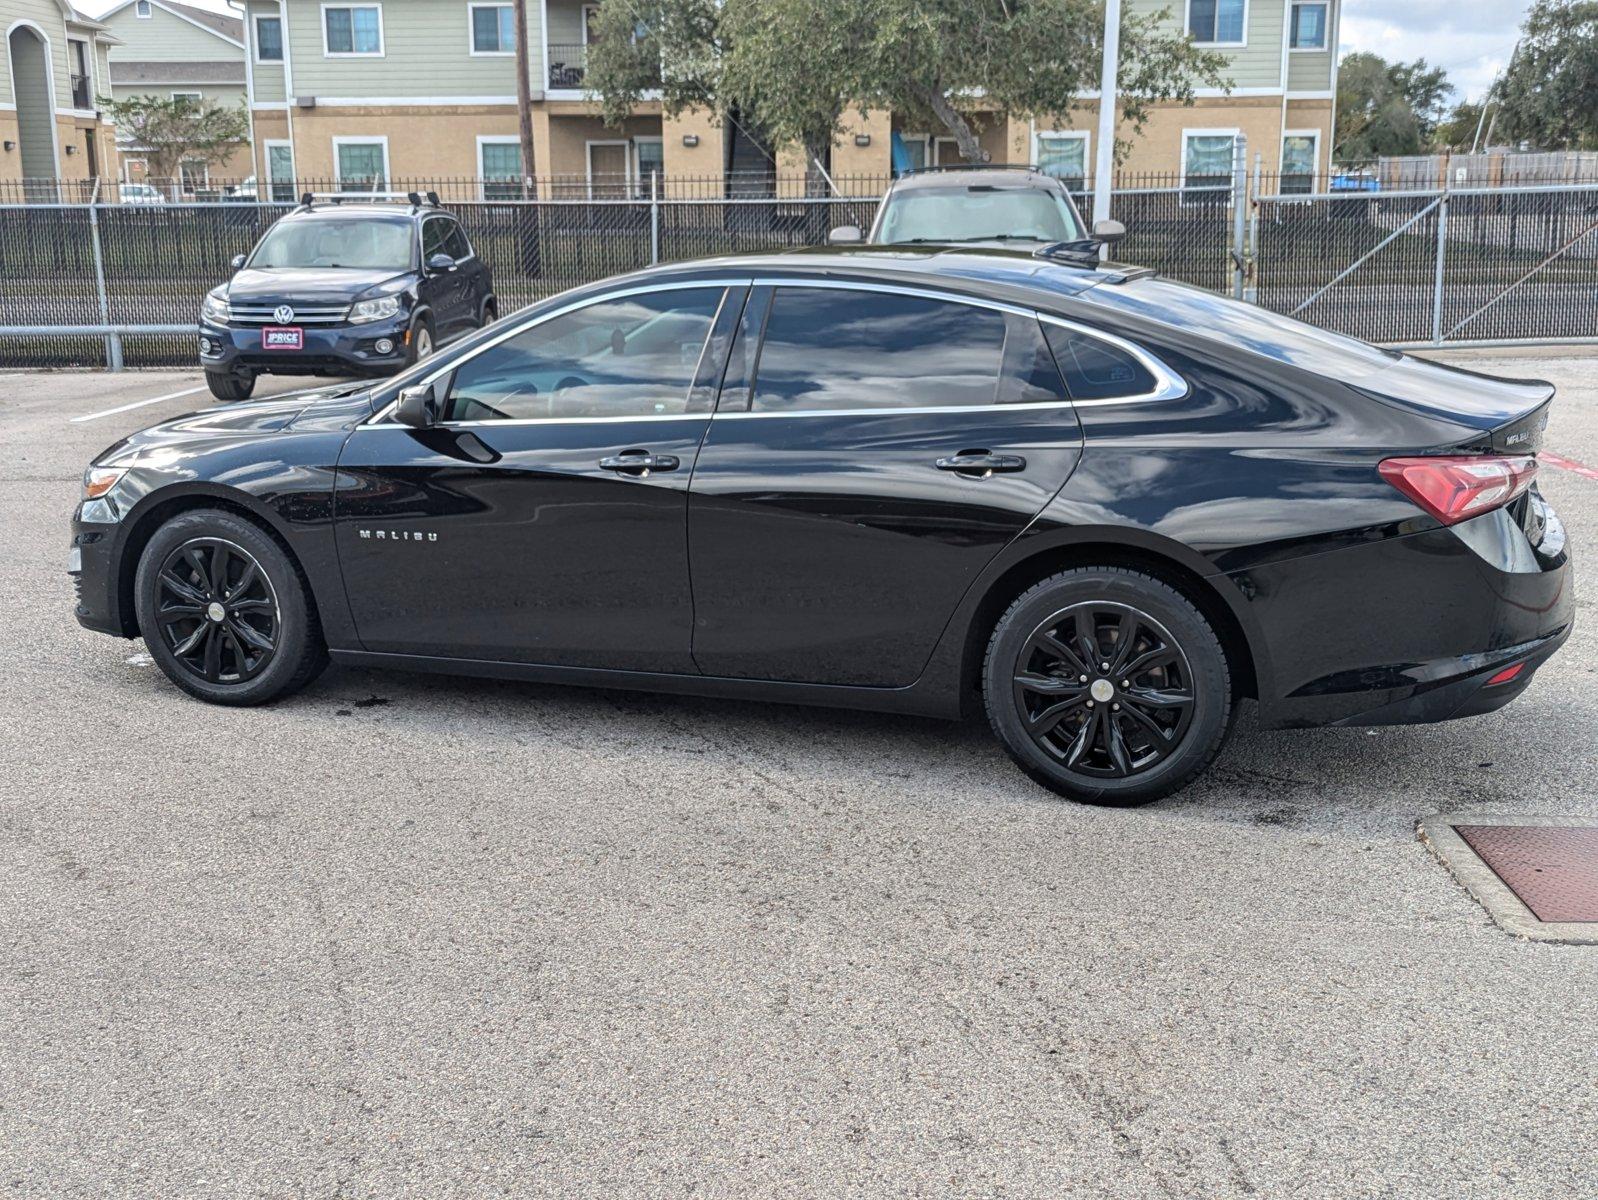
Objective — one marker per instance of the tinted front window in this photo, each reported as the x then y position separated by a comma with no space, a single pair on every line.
336,242
632,356
977,214
455,243
1095,369
831,349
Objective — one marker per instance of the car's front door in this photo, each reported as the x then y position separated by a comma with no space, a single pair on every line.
859,476
542,519
444,291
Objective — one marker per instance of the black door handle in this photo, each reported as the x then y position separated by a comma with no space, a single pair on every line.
979,464
639,462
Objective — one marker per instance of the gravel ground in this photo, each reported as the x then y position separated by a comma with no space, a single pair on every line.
404,936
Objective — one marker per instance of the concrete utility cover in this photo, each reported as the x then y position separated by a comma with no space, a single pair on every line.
1536,876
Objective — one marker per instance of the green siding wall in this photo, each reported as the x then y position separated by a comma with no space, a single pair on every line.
268,76
163,37
227,95
1258,63
1309,72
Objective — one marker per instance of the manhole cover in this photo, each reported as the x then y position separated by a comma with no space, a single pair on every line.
1536,876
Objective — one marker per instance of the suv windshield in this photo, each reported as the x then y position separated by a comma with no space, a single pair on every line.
351,242
977,214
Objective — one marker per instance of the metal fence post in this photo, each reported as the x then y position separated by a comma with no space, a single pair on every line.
1251,293
654,217
113,341
1239,214
1442,258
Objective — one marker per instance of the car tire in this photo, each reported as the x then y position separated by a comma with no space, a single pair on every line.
420,343
230,385
490,314
210,578
1070,720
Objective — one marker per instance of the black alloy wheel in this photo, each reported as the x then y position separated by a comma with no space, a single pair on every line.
1104,688
217,612
225,611
1107,685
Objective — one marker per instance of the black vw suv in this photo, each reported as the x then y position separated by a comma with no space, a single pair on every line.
344,286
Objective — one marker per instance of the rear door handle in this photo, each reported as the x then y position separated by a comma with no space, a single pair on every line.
639,463
979,464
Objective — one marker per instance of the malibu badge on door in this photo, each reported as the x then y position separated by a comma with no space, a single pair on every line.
282,336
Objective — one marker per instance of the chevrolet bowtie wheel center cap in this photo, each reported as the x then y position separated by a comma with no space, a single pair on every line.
216,612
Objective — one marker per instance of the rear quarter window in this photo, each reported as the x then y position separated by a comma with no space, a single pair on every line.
1095,369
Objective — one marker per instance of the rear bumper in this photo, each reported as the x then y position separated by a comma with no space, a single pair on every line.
328,349
1411,629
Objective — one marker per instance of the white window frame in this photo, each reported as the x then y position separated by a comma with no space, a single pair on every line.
1079,135
628,183
926,146
494,139
205,175
264,181
143,9
1326,26
197,97
583,12
255,39
365,139
635,165
936,144
471,35
1187,24
127,171
1315,163
1193,133
382,34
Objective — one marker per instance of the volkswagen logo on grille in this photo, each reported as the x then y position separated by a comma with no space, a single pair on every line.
282,314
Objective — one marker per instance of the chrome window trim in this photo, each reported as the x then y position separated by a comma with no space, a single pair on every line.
1169,385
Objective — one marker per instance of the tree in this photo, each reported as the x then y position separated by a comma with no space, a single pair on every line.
1387,108
1549,94
1458,129
792,67
171,132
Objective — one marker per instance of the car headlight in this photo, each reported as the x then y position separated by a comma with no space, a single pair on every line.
374,310
214,308
97,481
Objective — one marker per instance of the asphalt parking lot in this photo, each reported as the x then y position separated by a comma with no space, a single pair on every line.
409,936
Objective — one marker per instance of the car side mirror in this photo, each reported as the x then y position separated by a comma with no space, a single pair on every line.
1108,232
440,264
238,262
845,235
417,407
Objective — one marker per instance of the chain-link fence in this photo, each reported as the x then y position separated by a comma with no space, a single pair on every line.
114,283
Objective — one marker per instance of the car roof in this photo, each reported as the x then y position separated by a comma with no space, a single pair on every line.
376,210
961,178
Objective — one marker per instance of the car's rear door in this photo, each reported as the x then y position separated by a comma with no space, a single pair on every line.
543,519
873,449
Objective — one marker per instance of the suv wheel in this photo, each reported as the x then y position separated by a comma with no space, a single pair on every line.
230,385
421,339
224,612
1107,686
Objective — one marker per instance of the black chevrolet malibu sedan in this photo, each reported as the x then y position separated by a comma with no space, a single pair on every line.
1103,506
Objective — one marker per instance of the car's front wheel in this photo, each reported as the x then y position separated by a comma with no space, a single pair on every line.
230,385
1107,686
421,339
224,612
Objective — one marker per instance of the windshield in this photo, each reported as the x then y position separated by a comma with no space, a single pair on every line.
978,214
363,245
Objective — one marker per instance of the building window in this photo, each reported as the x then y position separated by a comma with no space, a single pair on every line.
915,147
352,29
268,39
1217,22
1300,155
361,164
186,99
1207,165
280,171
499,164
142,10
649,158
193,175
1064,156
1309,27
493,28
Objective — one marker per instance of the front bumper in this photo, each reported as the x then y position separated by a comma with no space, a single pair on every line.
91,562
328,349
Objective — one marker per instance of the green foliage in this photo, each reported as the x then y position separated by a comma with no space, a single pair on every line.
1549,94
791,67
1458,129
170,132
1387,108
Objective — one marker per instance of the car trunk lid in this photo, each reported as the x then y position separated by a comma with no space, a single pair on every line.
1503,415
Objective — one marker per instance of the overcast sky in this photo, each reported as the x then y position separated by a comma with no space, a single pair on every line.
1470,38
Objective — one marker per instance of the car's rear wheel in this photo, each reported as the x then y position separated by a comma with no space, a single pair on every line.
1107,686
224,612
230,385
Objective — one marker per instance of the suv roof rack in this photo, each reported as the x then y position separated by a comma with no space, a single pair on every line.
990,166
415,199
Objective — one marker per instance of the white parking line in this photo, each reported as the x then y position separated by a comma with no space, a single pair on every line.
111,412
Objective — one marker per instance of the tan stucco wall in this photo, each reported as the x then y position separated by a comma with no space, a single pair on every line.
10,160
702,161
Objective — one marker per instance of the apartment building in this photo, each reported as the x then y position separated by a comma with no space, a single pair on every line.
178,52
53,67
357,91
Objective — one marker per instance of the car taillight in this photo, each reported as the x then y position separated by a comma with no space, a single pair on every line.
1454,488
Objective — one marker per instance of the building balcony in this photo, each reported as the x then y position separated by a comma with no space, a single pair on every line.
567,65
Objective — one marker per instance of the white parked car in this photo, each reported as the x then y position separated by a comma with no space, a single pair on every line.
141,193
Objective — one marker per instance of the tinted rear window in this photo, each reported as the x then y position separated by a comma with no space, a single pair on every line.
1095,369
828,348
